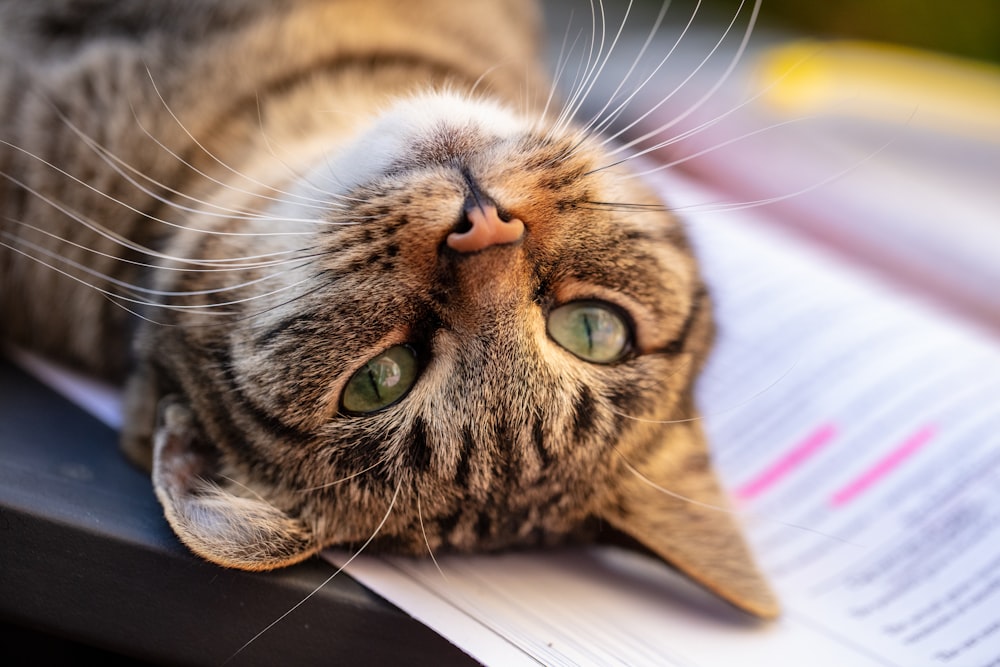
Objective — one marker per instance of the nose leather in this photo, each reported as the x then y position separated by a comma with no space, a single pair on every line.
486,229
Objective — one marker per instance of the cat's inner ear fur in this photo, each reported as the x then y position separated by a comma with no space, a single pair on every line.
671,504
225,528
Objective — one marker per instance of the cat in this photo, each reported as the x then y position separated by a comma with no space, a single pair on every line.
363,279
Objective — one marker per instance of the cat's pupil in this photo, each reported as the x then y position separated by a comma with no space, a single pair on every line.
592,330
381,382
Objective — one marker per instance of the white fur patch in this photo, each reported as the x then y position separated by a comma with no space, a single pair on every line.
403,124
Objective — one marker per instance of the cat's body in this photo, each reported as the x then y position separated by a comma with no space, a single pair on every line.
284,191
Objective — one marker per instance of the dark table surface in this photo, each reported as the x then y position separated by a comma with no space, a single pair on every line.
88,561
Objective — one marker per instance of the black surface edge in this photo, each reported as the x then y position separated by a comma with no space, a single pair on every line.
86,555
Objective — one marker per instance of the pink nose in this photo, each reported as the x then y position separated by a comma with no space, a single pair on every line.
487,230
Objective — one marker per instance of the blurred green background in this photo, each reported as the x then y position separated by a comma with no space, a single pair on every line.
968,28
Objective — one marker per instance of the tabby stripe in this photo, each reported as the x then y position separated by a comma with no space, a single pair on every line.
484,525
364,452
583,413
697,303
464,464
538,439
366,458
420,452
223,421
447,524
510,466
264,419
266,338
626,396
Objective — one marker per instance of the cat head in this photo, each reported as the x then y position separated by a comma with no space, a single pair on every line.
464,331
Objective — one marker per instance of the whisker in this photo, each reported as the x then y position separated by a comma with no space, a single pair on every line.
596,74
730,68
135,210
712,122
557,73
109,294
136,289
715,413
704,151
668,492
554,126
325,582
765,201
118,165
353,475
622,206
482,77
161,267
582,73
427,543
728,510
596,123
299,177
316,202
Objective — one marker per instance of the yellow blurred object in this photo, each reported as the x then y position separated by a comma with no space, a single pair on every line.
883,82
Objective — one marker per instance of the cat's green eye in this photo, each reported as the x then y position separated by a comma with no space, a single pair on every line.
591,330
382,381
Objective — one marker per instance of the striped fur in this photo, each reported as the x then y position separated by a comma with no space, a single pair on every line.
260,194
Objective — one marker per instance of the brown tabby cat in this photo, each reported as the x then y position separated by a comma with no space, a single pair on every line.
354,268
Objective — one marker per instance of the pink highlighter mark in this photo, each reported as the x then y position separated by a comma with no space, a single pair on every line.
787,463
883,467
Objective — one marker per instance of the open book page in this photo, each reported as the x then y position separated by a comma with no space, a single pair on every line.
859,434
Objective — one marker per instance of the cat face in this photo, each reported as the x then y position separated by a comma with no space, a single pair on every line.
486,339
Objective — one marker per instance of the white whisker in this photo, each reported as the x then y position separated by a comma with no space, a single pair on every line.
727,510
353,475
427,543
129,207
764,201
119,166
581,74
603,59
712,122
104,232
318,203
730,68
161,267
299,177
599,120
135,289
737,406
705,151
327,581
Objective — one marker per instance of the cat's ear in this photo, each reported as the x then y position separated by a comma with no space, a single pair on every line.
227,529
671,504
